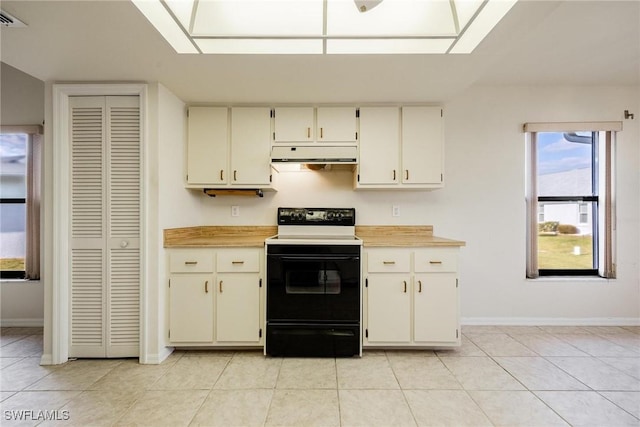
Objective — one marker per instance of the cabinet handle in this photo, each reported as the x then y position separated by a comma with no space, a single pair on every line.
419,285
221,175
388,262
394,174
406,173
435,262
235,175
405,286
320,133
237,262
206,287
308,132
220,286
190,262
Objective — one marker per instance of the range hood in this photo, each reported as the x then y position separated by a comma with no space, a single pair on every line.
316,154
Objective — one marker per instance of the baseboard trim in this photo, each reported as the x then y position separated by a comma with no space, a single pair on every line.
156,359
22,323
551,321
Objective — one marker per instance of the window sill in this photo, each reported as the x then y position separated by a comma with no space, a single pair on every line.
570,279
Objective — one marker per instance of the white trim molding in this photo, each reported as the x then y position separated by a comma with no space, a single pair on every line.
60,306
552,321
572,127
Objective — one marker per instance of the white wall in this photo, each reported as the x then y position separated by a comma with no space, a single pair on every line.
482,203
21,103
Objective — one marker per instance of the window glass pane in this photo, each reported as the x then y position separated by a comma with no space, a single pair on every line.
13,235
13,155
13,151
565,164
564,242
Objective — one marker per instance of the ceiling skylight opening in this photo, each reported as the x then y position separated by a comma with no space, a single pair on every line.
166,25
324,26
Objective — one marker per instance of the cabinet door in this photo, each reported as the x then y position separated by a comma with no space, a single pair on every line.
207,145
238,308
191,308
435,307
337,124
422,145
250,146
389,308
379,145
293,124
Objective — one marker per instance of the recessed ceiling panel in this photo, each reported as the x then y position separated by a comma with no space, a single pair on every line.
388,46
391,18
260,46
465,10
258,18
183,10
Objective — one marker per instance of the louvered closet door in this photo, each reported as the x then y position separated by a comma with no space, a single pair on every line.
105,226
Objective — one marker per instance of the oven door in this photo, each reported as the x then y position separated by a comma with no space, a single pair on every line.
313,283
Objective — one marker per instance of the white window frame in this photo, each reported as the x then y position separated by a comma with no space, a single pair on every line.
606,213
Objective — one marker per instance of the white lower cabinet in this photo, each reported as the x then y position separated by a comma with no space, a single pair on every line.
191,308
221,306
389,309
411,297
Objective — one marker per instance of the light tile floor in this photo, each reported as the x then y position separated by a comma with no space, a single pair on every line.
502,376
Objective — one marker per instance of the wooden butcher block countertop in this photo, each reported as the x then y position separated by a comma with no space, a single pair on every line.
248,236
402,236
218,236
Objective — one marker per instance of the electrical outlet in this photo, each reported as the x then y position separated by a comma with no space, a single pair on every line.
396,211
235,210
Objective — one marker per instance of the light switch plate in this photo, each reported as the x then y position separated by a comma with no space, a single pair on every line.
235,210
396,211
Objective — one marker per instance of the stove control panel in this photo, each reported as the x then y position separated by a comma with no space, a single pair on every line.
317,216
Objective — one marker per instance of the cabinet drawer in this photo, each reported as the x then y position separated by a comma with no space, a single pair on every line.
386,261
435,260
238,260
191,261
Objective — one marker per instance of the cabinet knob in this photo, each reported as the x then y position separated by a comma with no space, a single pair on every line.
124,244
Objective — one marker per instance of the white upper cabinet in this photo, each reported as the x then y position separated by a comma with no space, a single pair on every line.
250,146
229,148
379,146
309,124
401,148
422,146
293,124
336,124
207,146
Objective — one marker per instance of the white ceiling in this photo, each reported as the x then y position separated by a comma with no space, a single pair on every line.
538,43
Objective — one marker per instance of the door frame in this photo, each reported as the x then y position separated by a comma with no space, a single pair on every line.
61,269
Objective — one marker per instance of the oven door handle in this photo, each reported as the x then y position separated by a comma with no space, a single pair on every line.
317,258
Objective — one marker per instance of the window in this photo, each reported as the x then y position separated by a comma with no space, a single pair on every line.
569,196
583,212
13,214
20,172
